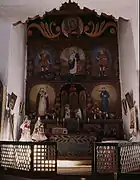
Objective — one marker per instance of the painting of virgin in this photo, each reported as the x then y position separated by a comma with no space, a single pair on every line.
72,61
41,99
101,61
42,102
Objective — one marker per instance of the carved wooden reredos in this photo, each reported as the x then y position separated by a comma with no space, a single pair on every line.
66,36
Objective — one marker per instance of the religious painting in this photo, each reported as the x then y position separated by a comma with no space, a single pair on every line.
72,26
137,118
129,100
124,105
101,61
72,61
105,96
132,118
11,100
41,99
44,62
21,108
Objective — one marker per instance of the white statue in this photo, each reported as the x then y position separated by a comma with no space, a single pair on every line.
38,133
67,111
25,126
78,114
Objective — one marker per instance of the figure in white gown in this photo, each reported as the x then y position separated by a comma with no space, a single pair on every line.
78,114
25,126
73,63
67,111
38,133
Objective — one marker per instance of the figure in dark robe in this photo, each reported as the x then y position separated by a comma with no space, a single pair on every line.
73,63
104,95
42,102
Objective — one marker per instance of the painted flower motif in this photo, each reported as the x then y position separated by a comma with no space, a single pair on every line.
57,29
112,31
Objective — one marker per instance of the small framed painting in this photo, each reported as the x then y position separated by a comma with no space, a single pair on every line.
129,100
21,108
137,118
124,105
132,118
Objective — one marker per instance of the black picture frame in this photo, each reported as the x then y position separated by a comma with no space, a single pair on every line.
129,100
124,105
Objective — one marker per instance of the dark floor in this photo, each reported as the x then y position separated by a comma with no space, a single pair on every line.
78,177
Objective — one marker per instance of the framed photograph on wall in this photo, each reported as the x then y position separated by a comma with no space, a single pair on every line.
137,118
21,108
129,100
124,105
132,118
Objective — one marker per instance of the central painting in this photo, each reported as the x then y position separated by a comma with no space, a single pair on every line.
72,77
72,61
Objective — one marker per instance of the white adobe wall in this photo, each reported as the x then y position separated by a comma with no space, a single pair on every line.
12,66
128,66
16,67
5,28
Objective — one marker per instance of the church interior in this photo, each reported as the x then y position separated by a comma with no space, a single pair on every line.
69,94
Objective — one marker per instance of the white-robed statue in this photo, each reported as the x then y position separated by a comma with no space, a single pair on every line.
78,114
38,132
73,63
25,126
67,111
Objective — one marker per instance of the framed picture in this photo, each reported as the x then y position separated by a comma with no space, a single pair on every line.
21,108
11,100
137,118
124,105
132,118
129,100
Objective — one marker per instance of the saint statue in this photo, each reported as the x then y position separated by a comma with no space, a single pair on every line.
74,63
42,102
67,111
25,126
103,62
38,132
78,114
104,95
